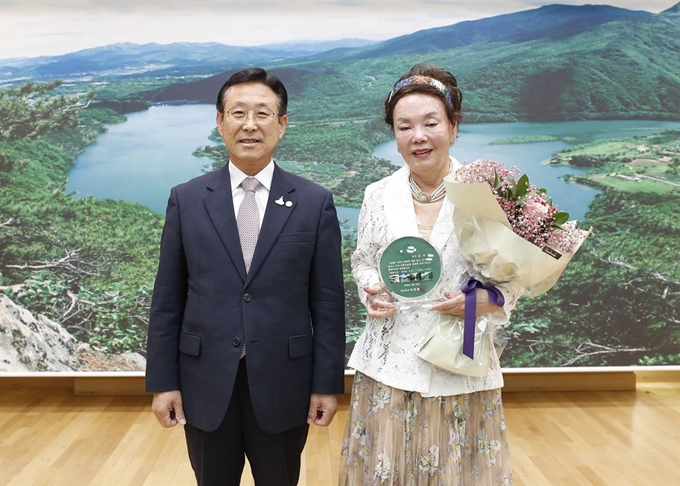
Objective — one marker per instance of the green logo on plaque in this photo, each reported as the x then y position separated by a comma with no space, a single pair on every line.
410,267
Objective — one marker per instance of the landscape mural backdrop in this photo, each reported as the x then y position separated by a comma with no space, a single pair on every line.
584,99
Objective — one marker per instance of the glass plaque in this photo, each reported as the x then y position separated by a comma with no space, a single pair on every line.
410,267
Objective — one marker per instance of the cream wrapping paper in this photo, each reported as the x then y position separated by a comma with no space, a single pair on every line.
497,254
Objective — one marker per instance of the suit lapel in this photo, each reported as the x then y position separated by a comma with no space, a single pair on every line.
282,202
401,218
220,206
443,228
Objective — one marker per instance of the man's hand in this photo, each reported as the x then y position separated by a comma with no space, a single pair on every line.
167,407
322,409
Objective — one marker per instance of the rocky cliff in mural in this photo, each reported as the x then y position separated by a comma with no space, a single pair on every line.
29,343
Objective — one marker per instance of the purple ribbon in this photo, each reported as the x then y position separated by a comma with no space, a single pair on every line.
468,288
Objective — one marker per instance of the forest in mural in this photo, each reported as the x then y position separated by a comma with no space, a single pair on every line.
585,99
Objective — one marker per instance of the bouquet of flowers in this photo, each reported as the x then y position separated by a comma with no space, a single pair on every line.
510,233
509,229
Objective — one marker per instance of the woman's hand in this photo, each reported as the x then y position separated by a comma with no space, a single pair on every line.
455,304
379,302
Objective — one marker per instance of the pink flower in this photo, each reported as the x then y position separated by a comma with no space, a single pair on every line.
537,208
529,211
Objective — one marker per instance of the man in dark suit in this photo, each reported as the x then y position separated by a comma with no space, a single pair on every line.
246,347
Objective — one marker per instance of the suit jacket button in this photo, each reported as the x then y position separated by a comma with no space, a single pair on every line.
236,342
247,297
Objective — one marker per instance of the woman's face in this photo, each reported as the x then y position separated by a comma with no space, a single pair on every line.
424,135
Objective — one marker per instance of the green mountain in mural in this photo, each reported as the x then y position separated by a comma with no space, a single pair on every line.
129,59
553,63
548,22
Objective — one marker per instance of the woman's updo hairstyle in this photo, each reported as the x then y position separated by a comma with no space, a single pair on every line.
427,79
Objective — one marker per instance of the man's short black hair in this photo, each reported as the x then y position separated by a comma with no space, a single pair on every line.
255,75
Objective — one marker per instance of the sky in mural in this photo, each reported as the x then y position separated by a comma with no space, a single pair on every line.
30,28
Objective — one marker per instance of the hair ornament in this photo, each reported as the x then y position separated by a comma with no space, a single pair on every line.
424,80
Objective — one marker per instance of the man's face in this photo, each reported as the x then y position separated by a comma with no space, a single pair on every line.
251,144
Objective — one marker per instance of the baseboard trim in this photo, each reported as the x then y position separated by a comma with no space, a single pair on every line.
577,381
109,386
514,382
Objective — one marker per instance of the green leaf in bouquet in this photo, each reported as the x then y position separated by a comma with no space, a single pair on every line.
560,218
522,186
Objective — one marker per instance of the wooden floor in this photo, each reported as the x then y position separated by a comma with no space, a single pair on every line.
52,437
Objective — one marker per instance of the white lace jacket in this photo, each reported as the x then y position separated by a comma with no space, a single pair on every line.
386,349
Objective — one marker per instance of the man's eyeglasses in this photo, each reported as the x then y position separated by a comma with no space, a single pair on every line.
261,116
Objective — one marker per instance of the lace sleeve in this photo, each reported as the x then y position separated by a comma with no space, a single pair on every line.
371,231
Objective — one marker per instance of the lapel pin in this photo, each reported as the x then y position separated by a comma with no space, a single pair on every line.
279,201
288,204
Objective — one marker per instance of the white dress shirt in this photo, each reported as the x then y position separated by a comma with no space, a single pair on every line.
261,194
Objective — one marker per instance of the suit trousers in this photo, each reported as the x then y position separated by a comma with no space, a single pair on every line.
218,457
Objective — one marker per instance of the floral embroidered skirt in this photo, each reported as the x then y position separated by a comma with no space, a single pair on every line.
399,438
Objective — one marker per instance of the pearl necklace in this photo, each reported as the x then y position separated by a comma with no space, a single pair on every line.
423,197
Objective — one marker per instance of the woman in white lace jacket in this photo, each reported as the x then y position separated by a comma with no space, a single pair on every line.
411,423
